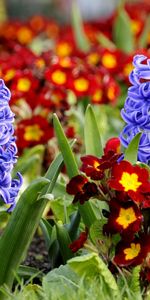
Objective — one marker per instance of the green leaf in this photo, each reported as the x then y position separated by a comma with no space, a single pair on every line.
92,137
23,223
134,283
92,266
132,150
81,39
101,241
28,272
143,39
85,210
60,282
122,33
64,242
32,158
31,291
47,231
19,230
105,42
69,159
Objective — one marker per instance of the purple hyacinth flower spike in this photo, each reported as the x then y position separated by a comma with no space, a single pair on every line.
9,187
136,111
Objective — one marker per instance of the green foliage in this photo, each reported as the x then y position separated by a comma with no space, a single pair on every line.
92,137
131,152
64,241
23,223
134,284
105,41
60,282
101,241
85,210
142,41
69,159
30,162
92,266
19,231
81,39
122,33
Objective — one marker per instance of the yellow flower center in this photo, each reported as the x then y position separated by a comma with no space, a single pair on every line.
81,84
109,60
24,35
33,133
126,217
96,165
40,63
132,252
9,74
59,77
63,49
127,69
135,26
130,181
65,62
23,85
93,58
97,97
111,93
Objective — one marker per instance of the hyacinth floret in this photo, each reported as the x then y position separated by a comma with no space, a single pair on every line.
136,111
9,187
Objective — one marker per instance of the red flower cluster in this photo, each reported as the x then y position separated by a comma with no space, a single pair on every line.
126,189
41,83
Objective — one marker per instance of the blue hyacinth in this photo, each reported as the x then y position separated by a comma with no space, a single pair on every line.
9,187
136,112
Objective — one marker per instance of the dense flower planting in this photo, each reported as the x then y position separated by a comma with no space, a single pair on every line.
42,78
69,83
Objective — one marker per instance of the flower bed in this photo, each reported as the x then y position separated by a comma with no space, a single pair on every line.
85,183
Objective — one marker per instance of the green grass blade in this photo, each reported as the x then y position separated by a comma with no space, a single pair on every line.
69,159
92,137
132,150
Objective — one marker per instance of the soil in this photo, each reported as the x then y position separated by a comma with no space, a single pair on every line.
37,255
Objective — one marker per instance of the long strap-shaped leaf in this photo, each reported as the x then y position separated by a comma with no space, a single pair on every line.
80,36
132,151
23,223
92,137
85,210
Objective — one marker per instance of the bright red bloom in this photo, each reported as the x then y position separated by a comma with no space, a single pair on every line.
23,83
31,132
146,200
80,84
64,48
112,60
24,35
53,98
111,89
79,243
95,167
133,180
124,218
133,252
57,75
113,144
81,188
